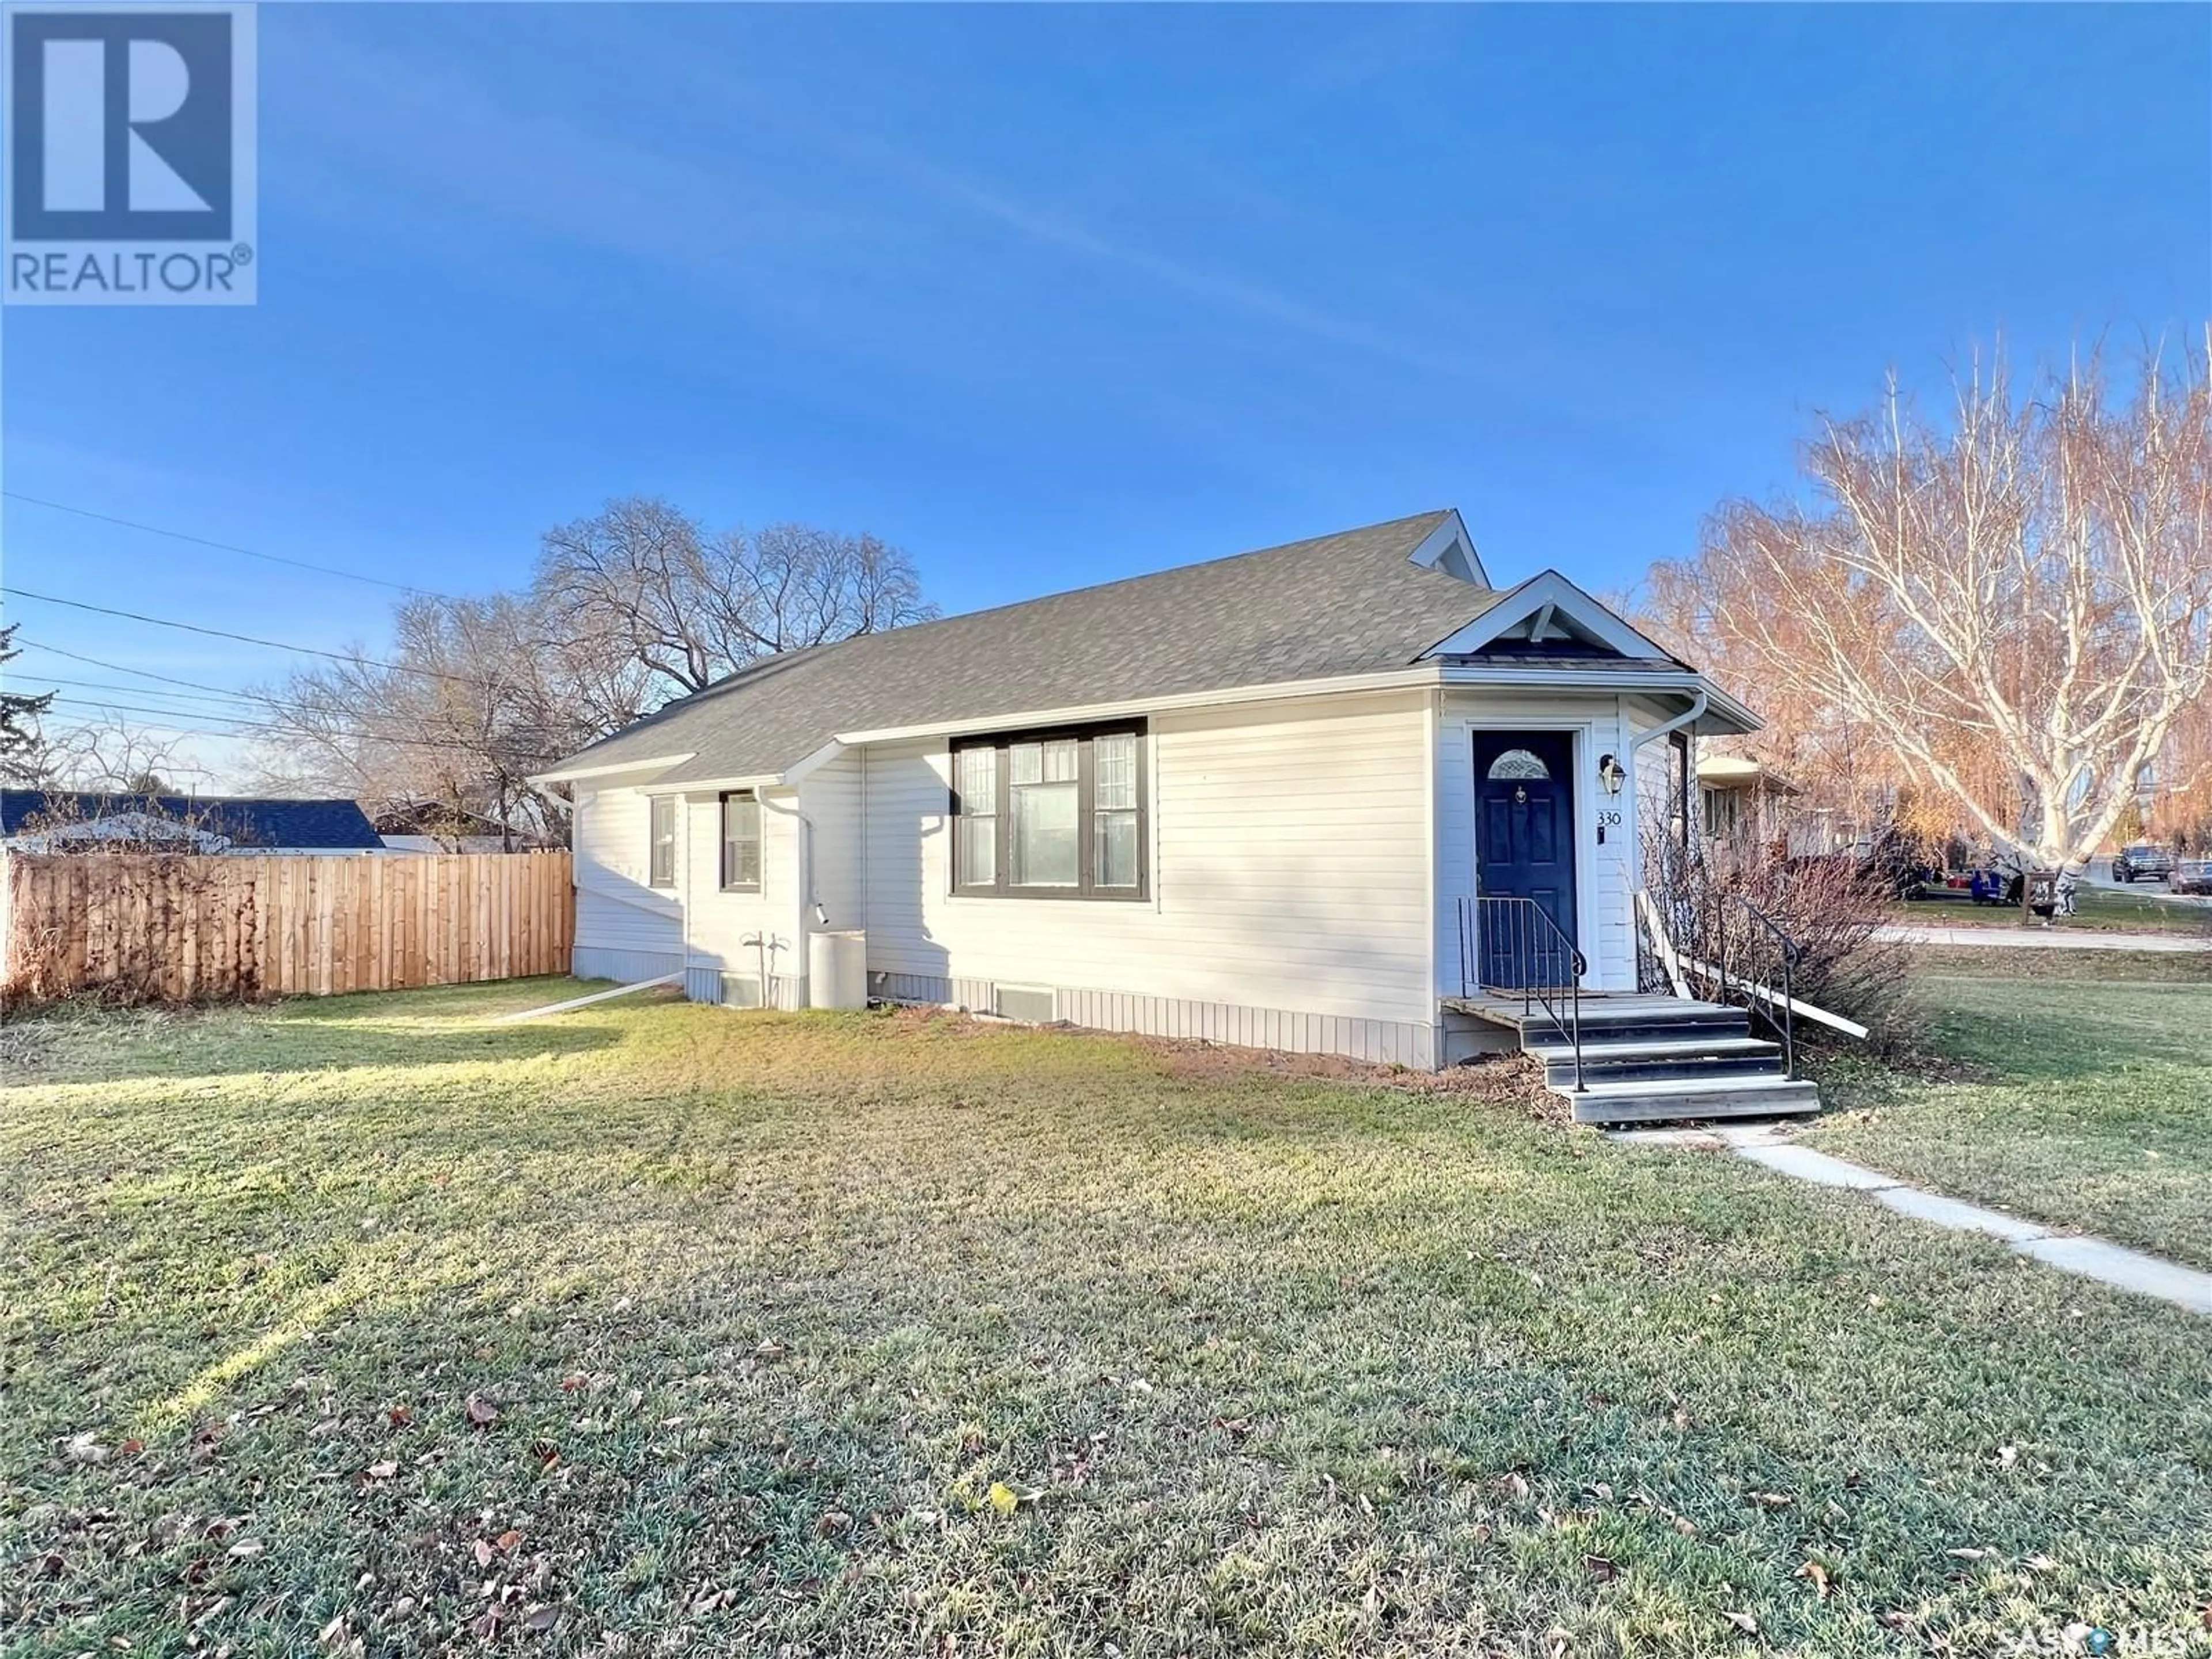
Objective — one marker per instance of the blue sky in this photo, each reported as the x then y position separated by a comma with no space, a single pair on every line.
1053,296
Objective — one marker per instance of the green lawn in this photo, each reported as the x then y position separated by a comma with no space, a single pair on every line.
356,1327
2089,1102
2099,910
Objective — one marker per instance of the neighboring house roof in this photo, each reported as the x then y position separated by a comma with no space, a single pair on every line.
1741,772
246,822
1361,602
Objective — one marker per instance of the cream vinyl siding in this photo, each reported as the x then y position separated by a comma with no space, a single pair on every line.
625,928
719,928
1604,872
831,797
1288,878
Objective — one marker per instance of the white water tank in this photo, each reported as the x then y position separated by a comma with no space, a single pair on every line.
837,969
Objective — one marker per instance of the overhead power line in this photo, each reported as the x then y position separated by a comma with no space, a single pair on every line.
144,673
252,639
300,712
238,698
238,725
221,547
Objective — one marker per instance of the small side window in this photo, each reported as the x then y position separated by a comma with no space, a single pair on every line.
741,842
660,863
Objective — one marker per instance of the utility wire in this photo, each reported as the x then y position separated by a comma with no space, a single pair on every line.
252,639
147,690
144,673
221,547
241,727
297,709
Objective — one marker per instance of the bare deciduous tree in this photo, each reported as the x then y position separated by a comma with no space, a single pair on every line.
2014,607
110,754
472,699
691,607
627,608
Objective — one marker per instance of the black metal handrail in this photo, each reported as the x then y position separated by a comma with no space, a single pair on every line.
1509,945
1787,949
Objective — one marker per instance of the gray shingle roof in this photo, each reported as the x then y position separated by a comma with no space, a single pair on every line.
1348,604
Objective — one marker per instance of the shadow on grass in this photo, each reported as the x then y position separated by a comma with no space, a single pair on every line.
79,1046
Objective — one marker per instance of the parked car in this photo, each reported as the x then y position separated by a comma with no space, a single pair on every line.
2142,862
2193,876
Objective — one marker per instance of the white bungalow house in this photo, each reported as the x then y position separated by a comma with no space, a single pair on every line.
1250,801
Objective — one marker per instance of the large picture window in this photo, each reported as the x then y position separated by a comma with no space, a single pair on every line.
1050,814
660,859
741,842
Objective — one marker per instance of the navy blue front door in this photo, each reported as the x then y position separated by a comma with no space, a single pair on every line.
1524,847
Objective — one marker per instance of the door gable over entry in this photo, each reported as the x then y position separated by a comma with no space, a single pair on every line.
1548,615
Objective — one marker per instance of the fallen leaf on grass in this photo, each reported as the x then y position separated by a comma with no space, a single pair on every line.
482,1548
509,1539
382,1471
1772,1500
400,1416
1817,1576
1599,1568
1969,1554
541,1619
1686,1527
834,1522
1003,1498
1743,1621
1514,1484
481,1413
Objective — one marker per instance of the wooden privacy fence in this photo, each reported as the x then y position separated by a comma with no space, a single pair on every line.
158,926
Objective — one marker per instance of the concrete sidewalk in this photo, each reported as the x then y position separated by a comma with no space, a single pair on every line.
2060,938
2074,1253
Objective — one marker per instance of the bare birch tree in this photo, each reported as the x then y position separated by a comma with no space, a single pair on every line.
2014,605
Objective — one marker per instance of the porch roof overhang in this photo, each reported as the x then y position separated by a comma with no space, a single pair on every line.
1666,682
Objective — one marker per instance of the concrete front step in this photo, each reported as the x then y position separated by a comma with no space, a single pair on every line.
1648,1102
1763,1061
1676,1045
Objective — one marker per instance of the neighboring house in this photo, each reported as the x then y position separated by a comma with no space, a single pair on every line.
434,827
43,820
1745,803
1240,800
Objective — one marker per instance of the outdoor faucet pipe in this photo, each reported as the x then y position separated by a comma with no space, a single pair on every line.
805,886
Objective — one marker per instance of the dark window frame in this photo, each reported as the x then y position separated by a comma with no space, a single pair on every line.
654,877
1086,889
759,838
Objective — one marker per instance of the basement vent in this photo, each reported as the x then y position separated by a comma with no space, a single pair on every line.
1032,1005
740,991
